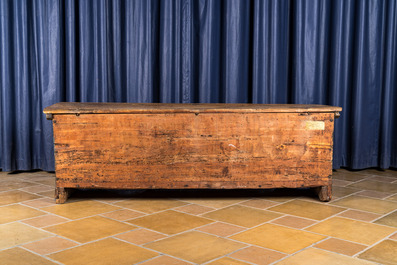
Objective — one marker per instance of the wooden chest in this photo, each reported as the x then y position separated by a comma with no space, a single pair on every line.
192,146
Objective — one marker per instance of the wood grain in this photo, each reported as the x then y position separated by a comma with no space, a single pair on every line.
189,150
324,193
140,108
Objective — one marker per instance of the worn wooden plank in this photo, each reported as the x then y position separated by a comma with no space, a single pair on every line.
117,108
193,184
226,150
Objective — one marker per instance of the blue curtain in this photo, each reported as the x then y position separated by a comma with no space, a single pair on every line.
337,52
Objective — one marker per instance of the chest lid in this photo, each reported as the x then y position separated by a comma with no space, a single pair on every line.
148,108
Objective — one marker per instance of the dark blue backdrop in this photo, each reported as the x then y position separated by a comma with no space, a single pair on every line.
335,52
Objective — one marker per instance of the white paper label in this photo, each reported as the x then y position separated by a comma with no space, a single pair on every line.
315,125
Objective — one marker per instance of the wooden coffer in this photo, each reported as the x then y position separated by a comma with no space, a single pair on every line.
192,146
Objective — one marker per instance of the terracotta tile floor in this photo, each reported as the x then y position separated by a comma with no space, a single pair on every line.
359,226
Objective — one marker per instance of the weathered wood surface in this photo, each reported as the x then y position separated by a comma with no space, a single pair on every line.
185,150
324,192
62,194
141,146
117,108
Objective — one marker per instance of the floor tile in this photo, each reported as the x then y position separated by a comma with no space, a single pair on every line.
214,202
38,177
108,200
359,215
38,188
374,194
341,246
293,221
88,229
259,203
368,196
13,234
76,210
170,222
49,245
140,236
221,229
313,256
288,240
40,203
15,196
227,261
195,246
367,204
340,183
165,260
45,220
105,252
18,256
194,209
47,181
279,199
383,179
348,176
49,194
352,230
388,172
338,192
390,220
44,173
385,253
241,215
316,211
374,185
257,255
17,212
392,198
151,205
123,215
12,184
380,172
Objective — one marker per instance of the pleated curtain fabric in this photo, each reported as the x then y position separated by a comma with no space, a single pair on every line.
337,52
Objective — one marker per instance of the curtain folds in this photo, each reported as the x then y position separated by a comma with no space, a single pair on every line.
339,52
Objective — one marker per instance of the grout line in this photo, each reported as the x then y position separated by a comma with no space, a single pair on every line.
164,254
387,197
220,208
371,246
227,256
42,256
359,181
38,228
155,257
246,261
372,197
384,215
343,197
223,222
141,227
320,221
296,252
124,208
79,244
359,210
45,213
142,246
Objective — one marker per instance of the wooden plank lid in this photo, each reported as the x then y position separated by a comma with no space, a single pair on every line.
118,108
